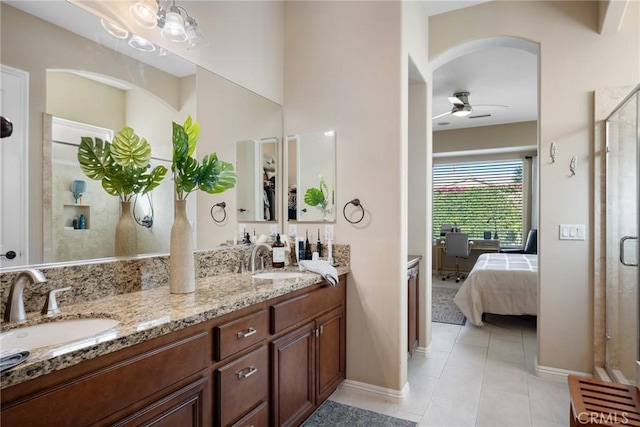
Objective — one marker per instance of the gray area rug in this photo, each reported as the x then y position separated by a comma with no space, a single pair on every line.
332,413
443,309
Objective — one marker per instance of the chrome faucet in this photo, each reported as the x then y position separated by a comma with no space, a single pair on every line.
14,312
254,252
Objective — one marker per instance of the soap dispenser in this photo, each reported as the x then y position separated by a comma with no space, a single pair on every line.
278,253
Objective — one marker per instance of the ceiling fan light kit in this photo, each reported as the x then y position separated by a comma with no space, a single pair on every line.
462,108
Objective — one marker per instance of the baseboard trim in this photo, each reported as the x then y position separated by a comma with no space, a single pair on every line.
423,351
387,393
556,374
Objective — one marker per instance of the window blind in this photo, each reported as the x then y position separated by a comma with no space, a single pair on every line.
480,197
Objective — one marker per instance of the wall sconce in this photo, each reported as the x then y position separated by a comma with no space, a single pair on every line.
145,13
78,187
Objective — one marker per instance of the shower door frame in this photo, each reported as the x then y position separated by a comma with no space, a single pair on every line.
613,372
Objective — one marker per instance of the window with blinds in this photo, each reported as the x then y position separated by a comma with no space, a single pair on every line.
480,197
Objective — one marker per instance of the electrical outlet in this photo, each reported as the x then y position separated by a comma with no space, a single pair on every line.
273,229
293,230
328,232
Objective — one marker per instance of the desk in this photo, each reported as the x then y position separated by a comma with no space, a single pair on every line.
441,262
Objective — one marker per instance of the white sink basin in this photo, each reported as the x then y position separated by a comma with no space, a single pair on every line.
276,275
53,333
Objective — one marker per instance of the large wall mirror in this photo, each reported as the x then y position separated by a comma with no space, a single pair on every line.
311,178
78,81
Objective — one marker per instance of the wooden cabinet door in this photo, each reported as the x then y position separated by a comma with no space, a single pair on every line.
293,390
185,408
331,351
412,327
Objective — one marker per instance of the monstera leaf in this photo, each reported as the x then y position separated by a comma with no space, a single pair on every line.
211,176
317,196
122,165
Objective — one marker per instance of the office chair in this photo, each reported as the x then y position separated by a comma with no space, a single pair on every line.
530,246
457,245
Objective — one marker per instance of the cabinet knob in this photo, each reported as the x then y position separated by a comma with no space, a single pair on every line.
249,332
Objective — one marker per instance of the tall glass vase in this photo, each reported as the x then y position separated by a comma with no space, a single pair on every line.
126,243
181,261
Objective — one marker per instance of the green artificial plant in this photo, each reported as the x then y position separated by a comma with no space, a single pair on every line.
121,165
211,176
318,196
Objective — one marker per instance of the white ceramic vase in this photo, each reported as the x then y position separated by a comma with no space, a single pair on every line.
126,243
181,261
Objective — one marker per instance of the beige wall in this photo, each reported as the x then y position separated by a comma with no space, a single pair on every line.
347,69
499,137
574,61
245,39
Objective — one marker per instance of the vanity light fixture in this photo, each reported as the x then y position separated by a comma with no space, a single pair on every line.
141,44
174,29
145,13
113,29
195,38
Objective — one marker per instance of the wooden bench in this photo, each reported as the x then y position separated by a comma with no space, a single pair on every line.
601,403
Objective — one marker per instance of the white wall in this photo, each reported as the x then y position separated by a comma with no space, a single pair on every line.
574,61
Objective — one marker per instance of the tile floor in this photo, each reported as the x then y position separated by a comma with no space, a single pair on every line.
475,376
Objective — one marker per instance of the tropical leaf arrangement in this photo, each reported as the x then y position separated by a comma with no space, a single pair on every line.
122,165
211,176
318,196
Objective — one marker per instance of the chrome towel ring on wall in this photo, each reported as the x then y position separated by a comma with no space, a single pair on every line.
222,206
356,203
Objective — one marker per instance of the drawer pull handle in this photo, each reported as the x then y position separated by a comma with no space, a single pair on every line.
249,332
247,373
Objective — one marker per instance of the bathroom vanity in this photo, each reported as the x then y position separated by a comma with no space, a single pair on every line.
239,351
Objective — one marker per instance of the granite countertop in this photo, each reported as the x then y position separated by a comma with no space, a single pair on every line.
148,314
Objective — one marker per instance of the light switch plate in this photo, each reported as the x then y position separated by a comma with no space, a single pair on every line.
273,229
293,230
328,232
572,232
242,228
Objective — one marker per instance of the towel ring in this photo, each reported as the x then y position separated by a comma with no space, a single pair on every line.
222,206
354,202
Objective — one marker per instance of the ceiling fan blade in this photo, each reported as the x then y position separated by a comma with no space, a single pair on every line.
487,107
441,115
454,100
480,116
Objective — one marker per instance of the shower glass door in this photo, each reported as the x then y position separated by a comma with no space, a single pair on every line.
622,221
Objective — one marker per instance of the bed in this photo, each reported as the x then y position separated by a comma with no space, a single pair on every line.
500,283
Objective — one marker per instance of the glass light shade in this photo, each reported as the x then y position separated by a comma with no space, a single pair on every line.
174,26
114,30
195,38
141,44
145,13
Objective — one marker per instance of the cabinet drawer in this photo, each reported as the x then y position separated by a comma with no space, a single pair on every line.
241,385
232,337
305,306
259,417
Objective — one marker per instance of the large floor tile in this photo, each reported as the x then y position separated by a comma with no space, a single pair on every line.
549,400
505,377
474,335
461,415
467,355
506,350
430,366
499,408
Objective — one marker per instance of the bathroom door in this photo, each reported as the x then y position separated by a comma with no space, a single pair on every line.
14,192
622,221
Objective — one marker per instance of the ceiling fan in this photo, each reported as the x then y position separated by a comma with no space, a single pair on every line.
462,108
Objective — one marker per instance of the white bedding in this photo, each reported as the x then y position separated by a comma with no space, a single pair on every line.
500,283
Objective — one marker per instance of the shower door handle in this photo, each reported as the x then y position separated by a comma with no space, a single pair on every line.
622,257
